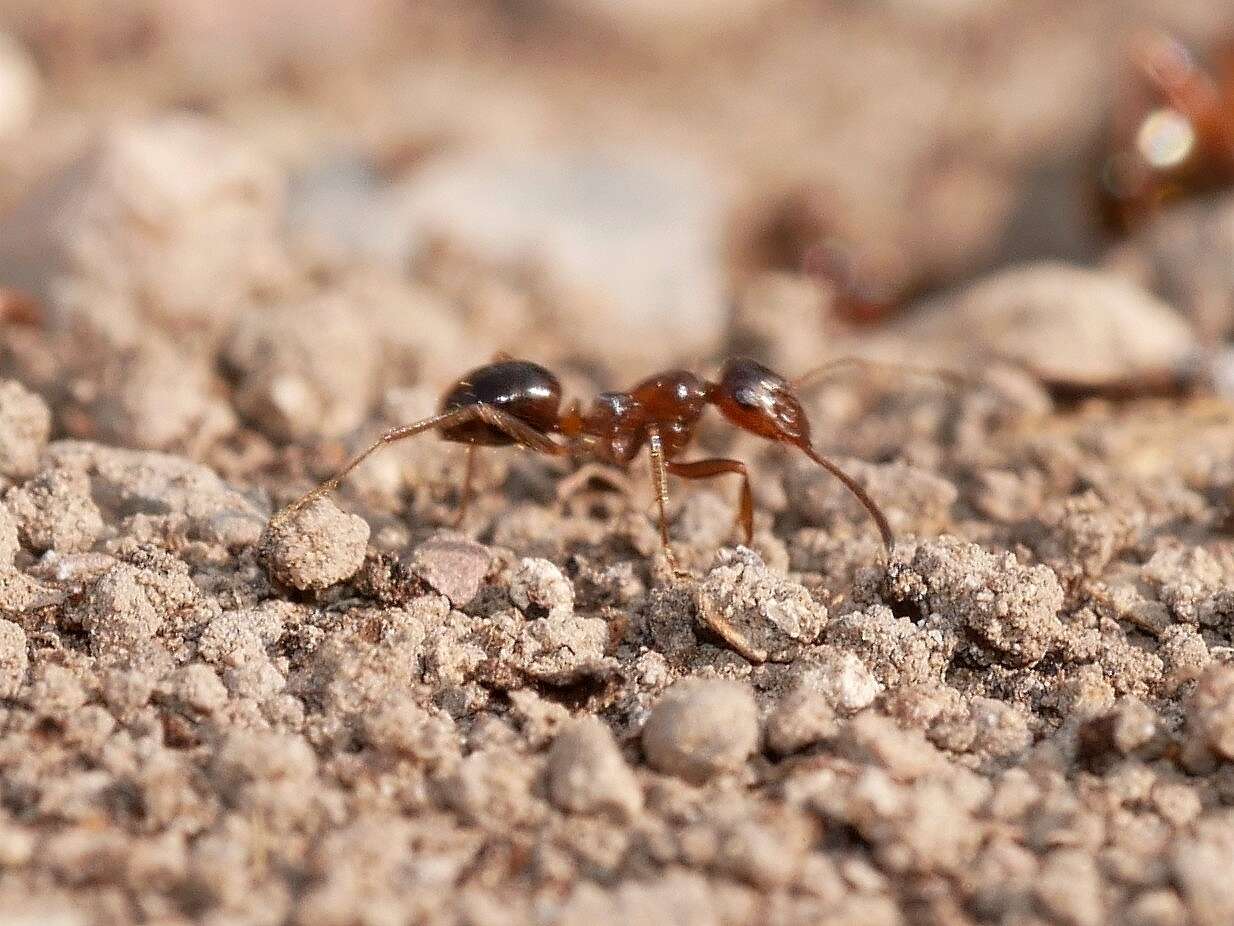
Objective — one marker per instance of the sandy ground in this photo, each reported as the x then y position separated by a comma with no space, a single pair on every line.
242,241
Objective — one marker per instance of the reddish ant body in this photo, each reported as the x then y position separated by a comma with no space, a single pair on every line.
509,402
1176,143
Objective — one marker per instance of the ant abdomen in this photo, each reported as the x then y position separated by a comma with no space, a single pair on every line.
522,389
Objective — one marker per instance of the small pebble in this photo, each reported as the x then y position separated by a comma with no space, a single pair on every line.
538,589
452,566
56,512
13,658
587,774
25,424
314,548
701,728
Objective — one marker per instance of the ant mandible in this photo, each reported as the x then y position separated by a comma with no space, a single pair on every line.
510,402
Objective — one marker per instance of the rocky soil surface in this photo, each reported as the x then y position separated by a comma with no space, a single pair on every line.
235,253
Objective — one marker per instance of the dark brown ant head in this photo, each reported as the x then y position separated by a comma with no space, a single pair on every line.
762,402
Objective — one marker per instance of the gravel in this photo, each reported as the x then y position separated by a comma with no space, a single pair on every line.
25,423
587,773
701,728
315,547
453,566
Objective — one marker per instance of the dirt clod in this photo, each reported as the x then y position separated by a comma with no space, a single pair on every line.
538,589
25,424
315,547
56,512
587,773
757,610
1010,610
701,728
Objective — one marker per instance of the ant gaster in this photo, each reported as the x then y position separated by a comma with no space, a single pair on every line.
510,401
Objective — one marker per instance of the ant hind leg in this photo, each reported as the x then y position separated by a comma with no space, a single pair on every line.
522,433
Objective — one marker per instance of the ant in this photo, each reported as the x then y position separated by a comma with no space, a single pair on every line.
1178,142
797,233
517,402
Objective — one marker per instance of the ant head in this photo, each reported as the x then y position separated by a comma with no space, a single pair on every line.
761,401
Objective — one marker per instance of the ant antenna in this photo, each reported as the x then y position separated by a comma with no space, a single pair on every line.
947,377
875,512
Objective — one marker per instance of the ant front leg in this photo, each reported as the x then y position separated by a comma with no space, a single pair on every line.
659,478
394,434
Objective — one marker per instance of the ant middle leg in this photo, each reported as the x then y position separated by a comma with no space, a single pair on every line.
464,495
719,466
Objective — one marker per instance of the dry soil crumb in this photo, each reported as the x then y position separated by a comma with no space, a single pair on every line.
314,547
55,511
1009,609
25,424
701,728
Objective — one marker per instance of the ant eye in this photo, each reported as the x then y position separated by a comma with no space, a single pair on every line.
749,397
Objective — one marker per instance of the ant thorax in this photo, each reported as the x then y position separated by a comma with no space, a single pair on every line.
618,425
610,431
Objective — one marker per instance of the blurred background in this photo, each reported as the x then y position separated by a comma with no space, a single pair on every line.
288,218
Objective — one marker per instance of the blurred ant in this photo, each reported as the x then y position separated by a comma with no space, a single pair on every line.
796,232
1178,143
508,402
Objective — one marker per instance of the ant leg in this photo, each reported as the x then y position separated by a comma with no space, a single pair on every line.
659,478
522,433
394,434
464,497
706,469
574,483
950,377
880,519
